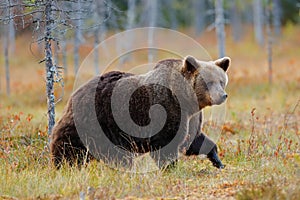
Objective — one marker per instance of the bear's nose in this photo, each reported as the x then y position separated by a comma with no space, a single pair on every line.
225,96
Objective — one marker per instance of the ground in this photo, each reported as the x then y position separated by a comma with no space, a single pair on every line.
259,141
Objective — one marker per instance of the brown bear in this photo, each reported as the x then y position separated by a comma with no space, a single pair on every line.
117,116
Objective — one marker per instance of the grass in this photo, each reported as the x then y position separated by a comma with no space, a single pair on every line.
258,142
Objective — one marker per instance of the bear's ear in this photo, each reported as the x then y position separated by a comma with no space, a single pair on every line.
224,63
190,65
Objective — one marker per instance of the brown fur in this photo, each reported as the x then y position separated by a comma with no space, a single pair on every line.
66,143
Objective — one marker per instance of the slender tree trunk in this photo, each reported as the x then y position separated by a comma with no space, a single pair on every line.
236,23
6,57
96,18
96,51
12,34
131,13
9,39
220,30
77,38
270,42
99,31
103,30
172,14
258,20
56,54
174,24
50,68
130,19
276,11
64,56
200,12
128,40
152,23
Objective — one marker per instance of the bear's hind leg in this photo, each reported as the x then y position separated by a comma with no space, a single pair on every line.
165,158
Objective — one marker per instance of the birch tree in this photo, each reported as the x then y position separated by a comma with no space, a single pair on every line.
99,15
50,68
200,13
96,39
258,20
276,13
130,24
131,14
8,44
64,55
270,42
152,11
6,58
220,30
172,14
77,35
235,20
47,16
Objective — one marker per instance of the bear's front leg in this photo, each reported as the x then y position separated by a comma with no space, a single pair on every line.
197,143
203,145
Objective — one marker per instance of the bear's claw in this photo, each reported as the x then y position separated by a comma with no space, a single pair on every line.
214,158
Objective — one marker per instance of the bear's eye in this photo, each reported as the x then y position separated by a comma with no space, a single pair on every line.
209,84
222,84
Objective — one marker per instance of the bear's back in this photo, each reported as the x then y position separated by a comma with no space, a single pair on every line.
169,63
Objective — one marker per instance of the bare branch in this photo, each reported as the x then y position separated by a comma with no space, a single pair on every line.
5,6
20,15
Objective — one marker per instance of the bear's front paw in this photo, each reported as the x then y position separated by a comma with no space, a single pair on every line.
214,158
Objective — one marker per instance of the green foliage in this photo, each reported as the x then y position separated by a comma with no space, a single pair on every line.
290,11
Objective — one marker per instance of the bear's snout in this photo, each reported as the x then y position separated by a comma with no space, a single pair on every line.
219,99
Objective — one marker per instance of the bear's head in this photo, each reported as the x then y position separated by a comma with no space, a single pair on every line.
208,79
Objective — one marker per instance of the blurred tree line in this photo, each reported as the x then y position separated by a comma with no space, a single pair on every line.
173,14
180,13
199,13
56,22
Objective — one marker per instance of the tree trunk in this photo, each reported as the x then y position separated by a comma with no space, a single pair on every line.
129,40
276,17
12,34
152,23
220,30
64,56
77,37
96,51
50,68
56,54
9,43
6,57
96,31
236,23
172,14
200,12
258,20
99,31
131,13
270,43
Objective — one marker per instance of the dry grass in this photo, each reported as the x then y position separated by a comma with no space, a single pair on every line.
259,141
